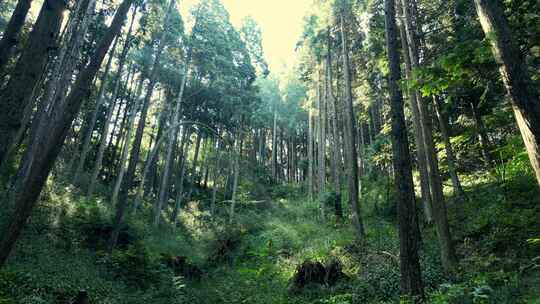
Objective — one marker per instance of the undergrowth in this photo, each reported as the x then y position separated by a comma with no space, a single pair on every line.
207,260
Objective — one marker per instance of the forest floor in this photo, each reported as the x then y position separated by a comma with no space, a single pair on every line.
207,260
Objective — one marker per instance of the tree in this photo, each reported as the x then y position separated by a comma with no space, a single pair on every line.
411,277
350,137
17,95
515,77
10,36
47,148
448,255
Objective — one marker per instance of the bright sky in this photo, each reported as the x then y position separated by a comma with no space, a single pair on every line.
281,23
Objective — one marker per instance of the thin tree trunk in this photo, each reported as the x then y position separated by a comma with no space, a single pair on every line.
450,157
515,77
125,151
104,131
321,105
482,134
236,168
274,146
411,277
310,155
182,164
172,136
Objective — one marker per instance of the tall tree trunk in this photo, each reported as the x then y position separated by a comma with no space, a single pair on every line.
46,148
17,94
418,132
182,165
125,151
236,168
321,95
274,146
350,139
336,157
311,188
172,135
448,255
10,37
411,277
515,77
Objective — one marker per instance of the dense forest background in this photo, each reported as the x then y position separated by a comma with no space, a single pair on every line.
148,154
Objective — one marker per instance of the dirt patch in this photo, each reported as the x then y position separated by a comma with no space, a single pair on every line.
310,272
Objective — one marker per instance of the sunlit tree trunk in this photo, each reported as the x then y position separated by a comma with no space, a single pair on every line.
411,277
515,77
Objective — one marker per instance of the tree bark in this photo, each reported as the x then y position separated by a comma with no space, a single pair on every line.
411,277
350,139
515,77
336,157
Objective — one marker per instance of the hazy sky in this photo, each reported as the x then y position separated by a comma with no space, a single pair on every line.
280,21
